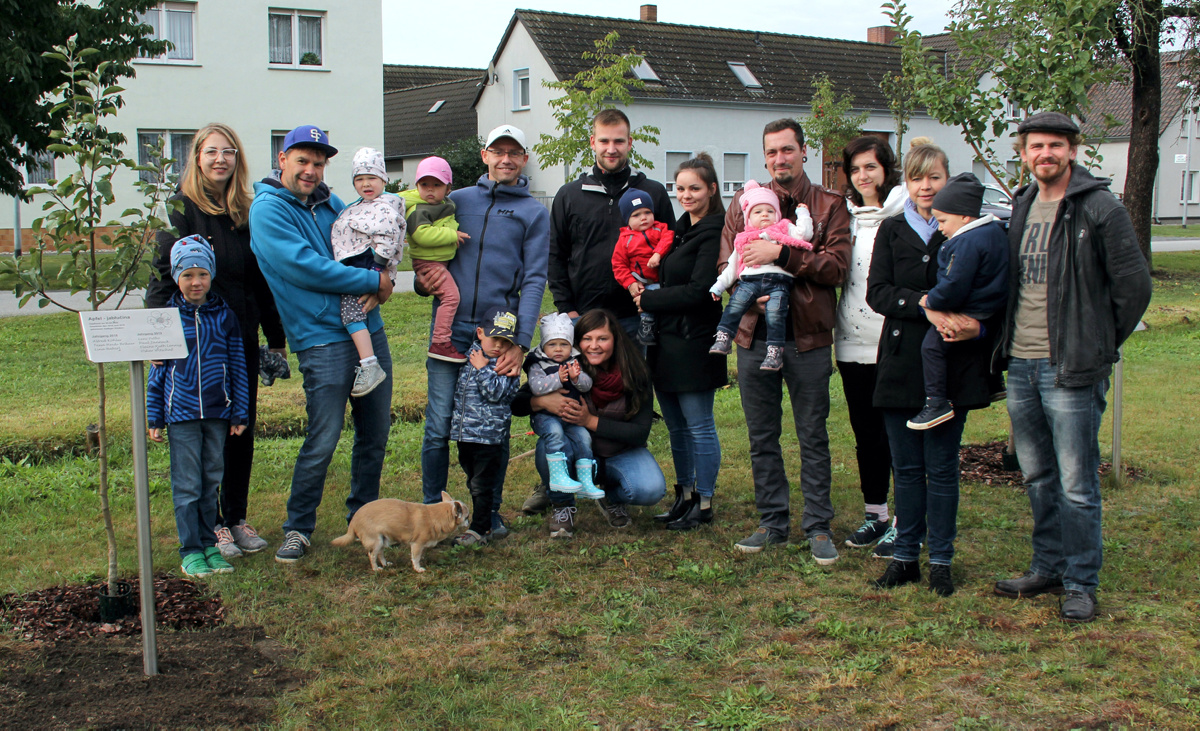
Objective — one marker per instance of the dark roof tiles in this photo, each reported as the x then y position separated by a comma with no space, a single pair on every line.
409,128
404,76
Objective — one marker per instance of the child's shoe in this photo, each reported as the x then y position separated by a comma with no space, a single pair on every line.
217,562
936,411
774,359
225,542
585,470
499,527
447,352
194,565
645,333
723,345
471,538
367,378
560,478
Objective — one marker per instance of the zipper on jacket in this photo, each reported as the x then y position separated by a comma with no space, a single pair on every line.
199,370
479,260
1062,276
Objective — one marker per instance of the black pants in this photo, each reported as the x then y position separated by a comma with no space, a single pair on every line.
481,462
870,437
934,352
234,492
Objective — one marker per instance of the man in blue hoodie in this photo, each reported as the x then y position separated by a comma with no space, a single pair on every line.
502,264
290,223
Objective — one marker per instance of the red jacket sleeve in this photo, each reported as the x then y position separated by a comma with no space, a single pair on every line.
620,260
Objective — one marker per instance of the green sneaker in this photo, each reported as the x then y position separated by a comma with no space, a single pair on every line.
217,562
195,565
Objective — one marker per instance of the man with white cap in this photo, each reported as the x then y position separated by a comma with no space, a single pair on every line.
291,220
501,264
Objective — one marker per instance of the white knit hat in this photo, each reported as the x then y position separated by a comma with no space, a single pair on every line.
369,161
557,326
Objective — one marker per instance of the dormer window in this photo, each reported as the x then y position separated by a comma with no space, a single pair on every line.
644,72
744,75
436,106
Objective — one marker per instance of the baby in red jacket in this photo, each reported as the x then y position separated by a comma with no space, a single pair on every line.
640,246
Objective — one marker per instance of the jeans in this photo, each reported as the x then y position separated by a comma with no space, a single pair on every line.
870,437
197,463
571,439
632,477
1056,433
807,377
934,354
647,318
328,372
775,286
694,444
925,465
479,461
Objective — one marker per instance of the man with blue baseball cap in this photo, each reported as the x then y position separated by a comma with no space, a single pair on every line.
290,224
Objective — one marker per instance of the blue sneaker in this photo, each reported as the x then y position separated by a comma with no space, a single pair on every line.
499,527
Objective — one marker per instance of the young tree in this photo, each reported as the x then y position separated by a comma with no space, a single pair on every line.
831,125
75,221
901,93
589,92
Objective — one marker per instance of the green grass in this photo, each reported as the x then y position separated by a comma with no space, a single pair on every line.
1176,232
643,628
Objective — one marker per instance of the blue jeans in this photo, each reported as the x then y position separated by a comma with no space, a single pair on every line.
571,439
694,444
1056,433
925,470
648,317
441,379
197,464
328,372
632,477
749,288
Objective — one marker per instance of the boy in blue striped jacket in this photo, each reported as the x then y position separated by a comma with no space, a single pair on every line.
203,398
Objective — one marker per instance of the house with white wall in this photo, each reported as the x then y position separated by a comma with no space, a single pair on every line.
261,67
424,107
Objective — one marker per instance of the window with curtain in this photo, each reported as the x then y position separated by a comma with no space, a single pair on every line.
295,38
674,160
175,23
735,171
177,146
520,89
276,148
41,170
281,38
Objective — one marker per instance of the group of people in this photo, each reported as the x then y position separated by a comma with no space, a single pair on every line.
936,301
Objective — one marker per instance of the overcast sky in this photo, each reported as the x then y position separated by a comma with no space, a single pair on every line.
435,34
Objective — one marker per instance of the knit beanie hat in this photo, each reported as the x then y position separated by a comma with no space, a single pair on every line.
369,161
961,196
192,252
435,167
557,326
754,194
635,200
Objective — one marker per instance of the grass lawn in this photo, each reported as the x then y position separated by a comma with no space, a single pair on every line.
1176,232
640,627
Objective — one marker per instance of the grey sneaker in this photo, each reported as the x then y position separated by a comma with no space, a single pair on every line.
471,538
616,514
823,550
537,502
562,521
292,548
723,345
225,543
367,379
758,540
774,359
247,538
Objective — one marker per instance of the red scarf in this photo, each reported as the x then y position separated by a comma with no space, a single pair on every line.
607,387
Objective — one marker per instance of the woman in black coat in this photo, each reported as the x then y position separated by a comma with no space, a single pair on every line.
215,193
686,376
924,463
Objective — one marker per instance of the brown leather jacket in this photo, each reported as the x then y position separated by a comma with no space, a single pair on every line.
817,273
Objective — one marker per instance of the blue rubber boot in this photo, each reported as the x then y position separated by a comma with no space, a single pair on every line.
560,476
585,470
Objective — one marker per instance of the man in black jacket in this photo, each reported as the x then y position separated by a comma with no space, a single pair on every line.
1078,286
585,221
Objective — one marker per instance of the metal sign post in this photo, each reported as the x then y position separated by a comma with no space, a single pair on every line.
141,489
1118,407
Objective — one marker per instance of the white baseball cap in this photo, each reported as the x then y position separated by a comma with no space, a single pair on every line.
506,130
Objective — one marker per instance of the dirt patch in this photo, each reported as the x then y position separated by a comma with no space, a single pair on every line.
984,463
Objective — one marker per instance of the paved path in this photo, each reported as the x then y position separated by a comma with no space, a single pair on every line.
1160,245
9,303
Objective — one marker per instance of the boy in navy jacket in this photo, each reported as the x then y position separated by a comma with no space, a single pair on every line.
203,398
972,280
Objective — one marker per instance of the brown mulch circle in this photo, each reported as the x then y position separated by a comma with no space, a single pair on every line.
984,463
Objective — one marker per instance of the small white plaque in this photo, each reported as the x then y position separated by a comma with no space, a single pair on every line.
1181,158
127,335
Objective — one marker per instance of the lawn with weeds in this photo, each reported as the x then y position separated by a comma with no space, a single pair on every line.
645,628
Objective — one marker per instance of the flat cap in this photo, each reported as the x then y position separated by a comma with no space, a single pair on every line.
1054,122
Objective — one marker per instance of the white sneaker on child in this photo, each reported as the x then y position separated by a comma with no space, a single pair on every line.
367,378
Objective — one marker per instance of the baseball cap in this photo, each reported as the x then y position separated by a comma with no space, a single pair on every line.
499,322
308,135
506,130
436,168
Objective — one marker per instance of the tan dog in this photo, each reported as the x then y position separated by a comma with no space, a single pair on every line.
381,523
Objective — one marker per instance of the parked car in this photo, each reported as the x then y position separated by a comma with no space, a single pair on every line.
998,203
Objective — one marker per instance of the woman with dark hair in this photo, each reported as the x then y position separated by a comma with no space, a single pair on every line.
686,376
874,194
617,411
924,463
215,192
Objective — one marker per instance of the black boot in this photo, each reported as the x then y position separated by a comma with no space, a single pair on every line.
676,510
694,517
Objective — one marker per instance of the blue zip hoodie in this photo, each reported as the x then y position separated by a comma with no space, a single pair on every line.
210,383
503,264
972,273
292,242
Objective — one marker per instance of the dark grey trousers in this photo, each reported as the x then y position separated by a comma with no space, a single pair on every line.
807,376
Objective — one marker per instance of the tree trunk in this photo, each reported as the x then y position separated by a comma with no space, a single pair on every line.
1143,57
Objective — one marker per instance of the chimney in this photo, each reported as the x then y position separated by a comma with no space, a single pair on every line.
882,34
649,14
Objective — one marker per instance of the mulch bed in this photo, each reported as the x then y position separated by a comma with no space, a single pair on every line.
984,463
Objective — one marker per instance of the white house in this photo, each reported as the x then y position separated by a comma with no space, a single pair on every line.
261,67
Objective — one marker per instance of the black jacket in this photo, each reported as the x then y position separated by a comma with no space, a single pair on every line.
1097,284
584,223
238,280
685,313
903,268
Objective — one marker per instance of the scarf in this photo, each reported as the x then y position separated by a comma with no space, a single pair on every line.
607,386
925,229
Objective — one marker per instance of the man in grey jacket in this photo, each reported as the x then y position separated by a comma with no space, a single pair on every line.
1078,286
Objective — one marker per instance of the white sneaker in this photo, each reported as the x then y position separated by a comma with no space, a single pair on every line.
226,544
367,379
247,538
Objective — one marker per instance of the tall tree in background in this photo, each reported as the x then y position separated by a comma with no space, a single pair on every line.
31,28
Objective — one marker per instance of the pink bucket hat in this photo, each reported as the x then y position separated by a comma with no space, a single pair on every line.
754,194
435,167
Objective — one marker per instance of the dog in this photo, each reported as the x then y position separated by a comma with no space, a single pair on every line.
381,523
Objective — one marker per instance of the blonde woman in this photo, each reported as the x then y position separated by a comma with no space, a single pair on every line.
215,192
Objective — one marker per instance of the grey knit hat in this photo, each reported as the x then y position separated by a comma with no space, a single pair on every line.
962,196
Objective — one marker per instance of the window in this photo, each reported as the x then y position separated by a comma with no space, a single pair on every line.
295,37
644,72
674,160
436,106
1012,111
1191,189
744,75
520,89
735,171
177,146
276,148
176,24
41,171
